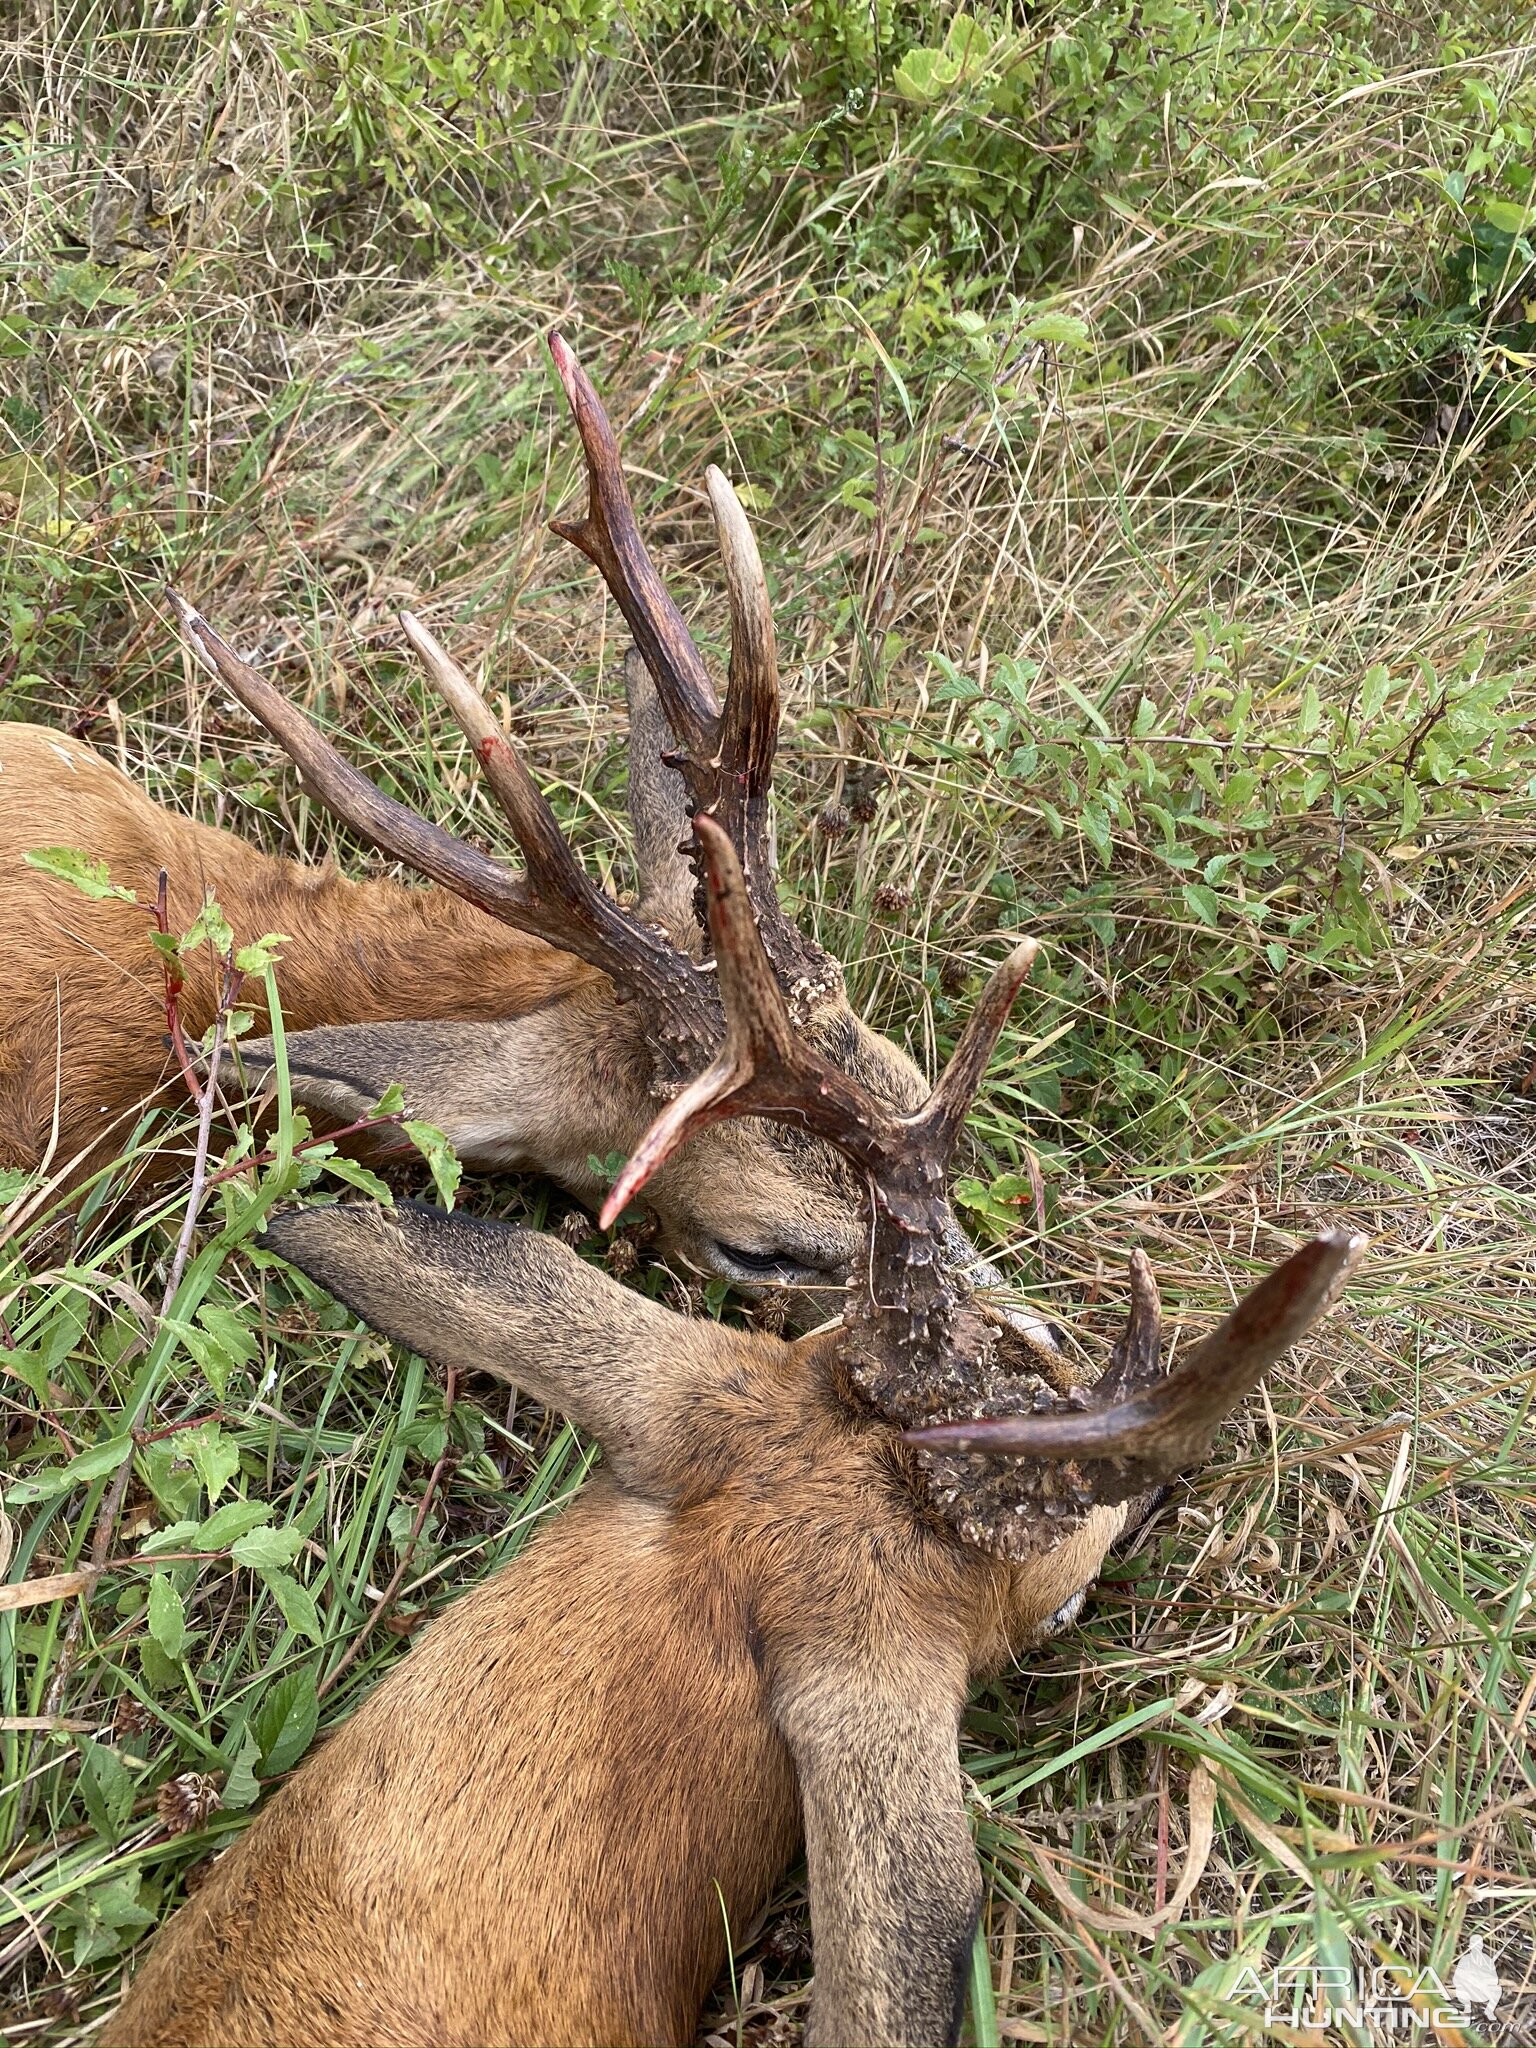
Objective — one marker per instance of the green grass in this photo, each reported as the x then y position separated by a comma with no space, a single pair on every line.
1143,477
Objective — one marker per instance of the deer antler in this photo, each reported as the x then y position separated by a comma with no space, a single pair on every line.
555,899
727,758
763,1068
766,1069
1138,1428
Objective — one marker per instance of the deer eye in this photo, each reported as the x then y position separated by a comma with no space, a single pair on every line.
737,1263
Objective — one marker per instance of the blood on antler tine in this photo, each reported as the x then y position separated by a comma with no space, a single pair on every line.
766,1068
555,900
1157,1427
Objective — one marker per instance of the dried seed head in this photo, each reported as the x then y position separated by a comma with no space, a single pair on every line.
771,1312
832,821
865,782
184,1803
575,1227
892,897
622,1255
130,1716
954,976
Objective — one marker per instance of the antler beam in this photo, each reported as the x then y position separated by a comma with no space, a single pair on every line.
555,901
1123,1442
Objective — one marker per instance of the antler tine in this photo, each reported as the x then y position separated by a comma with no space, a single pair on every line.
1128,1444
938,1124
348,793
580,921
610,538
554,875
763,1068
752,703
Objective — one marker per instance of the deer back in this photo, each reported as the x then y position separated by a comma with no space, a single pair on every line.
82,1007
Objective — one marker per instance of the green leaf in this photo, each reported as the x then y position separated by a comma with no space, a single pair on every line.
296,1604
90,877
240,1787
210,927
442,1160
92,1464
262,953
229,1522
1061,330
167,1616
1508,217
284,1725
106,1918
215,1457
925,76
391,1102
1203,902
358,1176
266,1549
107,1787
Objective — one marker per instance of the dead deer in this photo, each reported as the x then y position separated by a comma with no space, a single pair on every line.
759,1620
533,1019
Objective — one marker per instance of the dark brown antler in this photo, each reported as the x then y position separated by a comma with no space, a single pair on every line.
766,1069
727,756
763,1068
555,899
1138,1428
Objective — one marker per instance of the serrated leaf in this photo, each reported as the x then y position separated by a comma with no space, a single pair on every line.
262,953
266,1549
391,1102
106,1918
210,927
284,1725
106,1787
167,1616
215,1457
358,1176
296,1605
1204,902
230,1522
240,1787
925,76
91,877
442,1161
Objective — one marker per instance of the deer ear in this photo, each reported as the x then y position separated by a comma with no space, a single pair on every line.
469,1077
488,1297
658,812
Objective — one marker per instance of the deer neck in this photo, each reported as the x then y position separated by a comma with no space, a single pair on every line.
361,952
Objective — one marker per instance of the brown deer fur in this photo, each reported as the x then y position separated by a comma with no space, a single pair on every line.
82,1002
759,1617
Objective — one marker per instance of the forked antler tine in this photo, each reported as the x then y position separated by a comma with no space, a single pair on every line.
349,794
1171,1426
763,1068
750,722
609,537
938,1124
553,869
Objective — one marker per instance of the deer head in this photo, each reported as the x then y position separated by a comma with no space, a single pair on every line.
853,1526
756,1204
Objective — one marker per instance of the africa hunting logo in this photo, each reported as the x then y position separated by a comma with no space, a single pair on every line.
1390,2003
